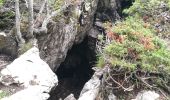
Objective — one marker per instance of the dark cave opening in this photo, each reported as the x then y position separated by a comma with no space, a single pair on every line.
76,70
125,4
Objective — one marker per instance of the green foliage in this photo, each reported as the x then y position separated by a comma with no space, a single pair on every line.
1,2
153,11
58,4
6,19
100,62
146,7
133,50
25,47
3,94
140,47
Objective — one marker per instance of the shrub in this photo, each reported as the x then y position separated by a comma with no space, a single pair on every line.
137,57
139,47
1,2
3,94
133,52
156,12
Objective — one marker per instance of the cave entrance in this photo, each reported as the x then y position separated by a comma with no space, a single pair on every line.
76,70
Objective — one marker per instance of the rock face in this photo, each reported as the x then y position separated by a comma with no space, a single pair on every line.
8,45
108,10
70,97
91,89
32,73
68,28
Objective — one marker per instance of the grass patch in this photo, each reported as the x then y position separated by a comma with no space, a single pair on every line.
3,94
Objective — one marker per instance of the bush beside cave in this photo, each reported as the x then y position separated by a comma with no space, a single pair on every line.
137,57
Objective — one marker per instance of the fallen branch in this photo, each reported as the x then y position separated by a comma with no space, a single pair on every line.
125,89
143,81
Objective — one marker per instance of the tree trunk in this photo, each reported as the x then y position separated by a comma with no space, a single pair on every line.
18,32
30,19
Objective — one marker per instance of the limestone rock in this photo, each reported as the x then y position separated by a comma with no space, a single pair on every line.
65,31
31,93
147,95
91,88
70,97
112,97
32,73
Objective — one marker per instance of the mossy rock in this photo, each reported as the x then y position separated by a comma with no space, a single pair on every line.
25,47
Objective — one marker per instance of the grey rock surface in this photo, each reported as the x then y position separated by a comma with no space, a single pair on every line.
65,31
32,73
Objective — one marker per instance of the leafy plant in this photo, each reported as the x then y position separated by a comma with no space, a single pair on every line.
134,51
140,47
1,2
155,12
3,94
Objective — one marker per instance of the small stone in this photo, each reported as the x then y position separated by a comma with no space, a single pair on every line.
70,97
147,95
112,97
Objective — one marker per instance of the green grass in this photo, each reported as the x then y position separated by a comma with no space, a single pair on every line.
2,94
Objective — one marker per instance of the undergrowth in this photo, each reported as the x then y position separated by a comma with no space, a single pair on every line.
132,43
156,12
137,57
3,94
1,2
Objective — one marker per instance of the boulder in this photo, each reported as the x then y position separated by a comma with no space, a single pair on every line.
70,97
8,45
32,73
91,89
147,95
69,27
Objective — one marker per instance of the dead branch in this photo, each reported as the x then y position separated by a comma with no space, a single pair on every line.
38,21
125,89
43,28
143,80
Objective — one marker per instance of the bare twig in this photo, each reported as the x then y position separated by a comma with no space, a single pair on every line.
43,28
143,81
125,89
163,94
38,18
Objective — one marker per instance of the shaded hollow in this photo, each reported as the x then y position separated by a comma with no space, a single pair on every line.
76,70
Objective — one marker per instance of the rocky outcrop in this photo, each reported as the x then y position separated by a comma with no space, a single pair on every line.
68,28
92,88
31,73
8,45
70,97
108,10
